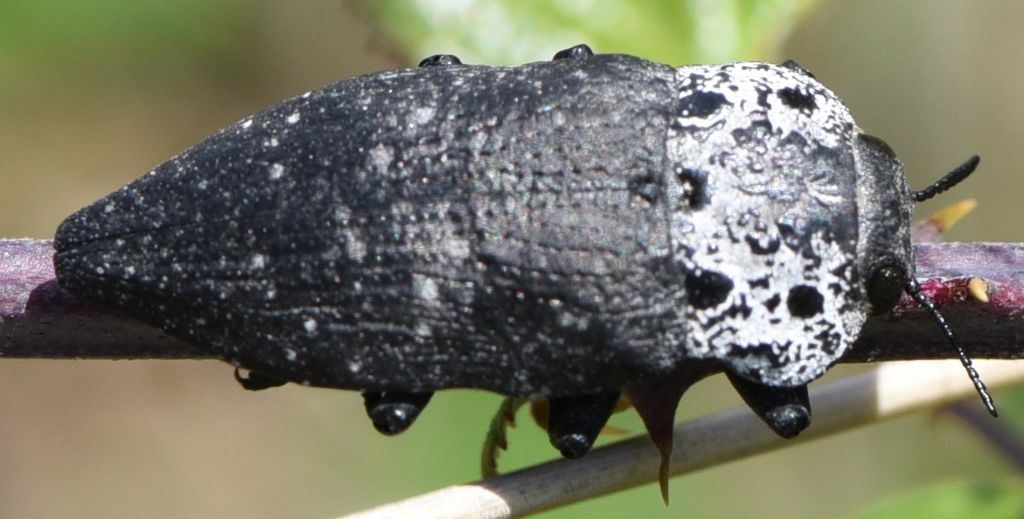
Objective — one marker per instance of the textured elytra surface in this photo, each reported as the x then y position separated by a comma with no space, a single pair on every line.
552,229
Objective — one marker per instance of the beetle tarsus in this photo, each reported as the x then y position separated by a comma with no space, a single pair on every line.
254,381
574,422
577,51
786,410
440,60
394,411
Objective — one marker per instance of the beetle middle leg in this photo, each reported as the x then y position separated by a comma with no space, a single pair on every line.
787,410
394,411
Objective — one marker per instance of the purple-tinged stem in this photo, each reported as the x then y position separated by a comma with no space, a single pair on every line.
38,319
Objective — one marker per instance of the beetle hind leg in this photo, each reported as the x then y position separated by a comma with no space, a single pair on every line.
786,410
574,422
394,411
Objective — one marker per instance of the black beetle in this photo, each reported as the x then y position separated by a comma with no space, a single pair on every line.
568,230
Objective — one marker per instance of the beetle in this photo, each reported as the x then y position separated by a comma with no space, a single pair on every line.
571,230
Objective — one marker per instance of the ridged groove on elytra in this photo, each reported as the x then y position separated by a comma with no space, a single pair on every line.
707,288
805,301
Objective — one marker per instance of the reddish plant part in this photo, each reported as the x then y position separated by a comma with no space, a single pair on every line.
38,319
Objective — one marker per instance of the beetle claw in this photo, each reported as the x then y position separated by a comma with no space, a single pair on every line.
574,422
787,410
254,381
394,411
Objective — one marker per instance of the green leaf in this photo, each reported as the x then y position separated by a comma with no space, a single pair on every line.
510,32
977,500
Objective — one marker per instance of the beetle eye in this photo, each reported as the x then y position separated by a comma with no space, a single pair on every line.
885,286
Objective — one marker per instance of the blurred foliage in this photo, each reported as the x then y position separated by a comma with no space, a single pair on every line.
990,500
510,32
108,88
67,33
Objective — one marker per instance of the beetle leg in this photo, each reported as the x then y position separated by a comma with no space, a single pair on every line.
574,422
579,51
256,381
394,411
796,67
440,60
787,410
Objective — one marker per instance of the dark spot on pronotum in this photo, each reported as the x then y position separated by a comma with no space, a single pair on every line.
761,282
805,301
707,288
762,96
770,246
773,302
796,99
701,104
694,188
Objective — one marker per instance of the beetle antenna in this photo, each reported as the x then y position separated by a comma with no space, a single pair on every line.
951,179
913,289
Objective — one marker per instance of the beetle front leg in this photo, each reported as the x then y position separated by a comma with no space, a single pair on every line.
394,411
787,410
574,422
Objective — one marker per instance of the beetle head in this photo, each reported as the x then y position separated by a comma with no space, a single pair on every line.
884,246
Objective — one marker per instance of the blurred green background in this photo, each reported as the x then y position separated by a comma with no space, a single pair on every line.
92,94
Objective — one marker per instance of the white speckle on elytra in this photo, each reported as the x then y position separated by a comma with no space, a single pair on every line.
423,115
456,248
381,157
290,354
423,329
130,270
271,142
276,171
424,288
109,208
293,118
309,324
354,247
355,366
246,124
257,261
201,185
